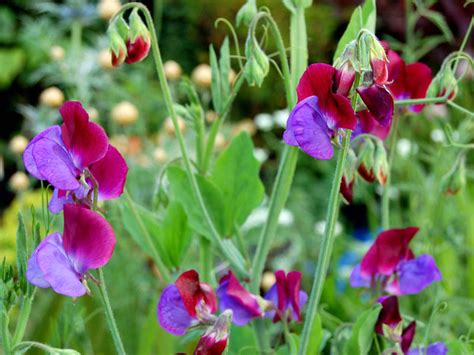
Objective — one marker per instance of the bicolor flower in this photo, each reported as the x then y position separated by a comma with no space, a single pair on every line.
390,264
320,112
186,303
138,44
407,81
214,340
63,261
437,348
389,324
74,157
244,305
286,296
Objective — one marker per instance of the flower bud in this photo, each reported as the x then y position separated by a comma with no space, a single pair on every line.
172,70
444,83
138,44
18,144
345,74
214,340
202,76
348,177
365,161
52,97
106,9
455,180
381,163
57,53
124,113
377,57
258,64
246,13
19,182
117,44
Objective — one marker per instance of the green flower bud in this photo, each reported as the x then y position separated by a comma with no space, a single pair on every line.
444,83
246,13
117,35
258,64
455,179
137,27
381,163
373,59
366,161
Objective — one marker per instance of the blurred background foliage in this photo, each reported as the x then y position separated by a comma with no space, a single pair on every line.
56,51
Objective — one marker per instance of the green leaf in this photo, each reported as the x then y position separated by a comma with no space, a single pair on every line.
12,61
316,336
224,66
364,16
213,200
216,81
360,340
439,21
236,174
21,252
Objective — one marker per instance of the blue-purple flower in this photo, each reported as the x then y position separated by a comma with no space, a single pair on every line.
437,348
287,297
391,265
63,261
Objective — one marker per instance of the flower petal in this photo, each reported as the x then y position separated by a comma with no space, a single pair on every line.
389,314
407,336
193,292
137,50
438,348
379,102
418,78
89,239
110,173
234,296
57,269
309,129
357,279
272,296
293,286
54,164
172,315
86,141
390,247
417,274
368,124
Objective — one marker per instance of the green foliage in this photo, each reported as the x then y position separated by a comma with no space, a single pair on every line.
12,61
361,337
316,337
363,17
220,86
21,253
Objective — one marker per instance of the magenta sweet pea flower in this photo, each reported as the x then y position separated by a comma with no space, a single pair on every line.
62,262
438,348
390,263
407,81
319,113
232,295
75,156
185,303
286,296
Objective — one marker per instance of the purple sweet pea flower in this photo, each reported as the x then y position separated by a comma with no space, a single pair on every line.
74,157
286,296
391,263
62,262
234,296
438,348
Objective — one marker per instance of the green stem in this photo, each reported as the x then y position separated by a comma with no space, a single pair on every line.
386,188
23,317
299,50
6,337
165,274
206,260
327,244
110,315
234,259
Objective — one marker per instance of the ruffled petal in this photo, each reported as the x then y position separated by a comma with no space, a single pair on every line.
234,296
110,173
418,79
52,133
388,250
317,80
54,164
417,274
172,314
86,141
309,129
379,102
193,292
89,239
57,269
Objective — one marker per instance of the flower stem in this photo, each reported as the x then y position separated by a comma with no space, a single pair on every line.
23,317
386,188
5,334
234,259
327,244
110,315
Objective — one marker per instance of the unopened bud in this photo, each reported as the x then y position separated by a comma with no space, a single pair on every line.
258,64
124,113
52,97
348,177
381,163
202,75
214,340
18,144
246,13
372,54
443,84
365,161
172,70
345,64
455,180
116,44
138,44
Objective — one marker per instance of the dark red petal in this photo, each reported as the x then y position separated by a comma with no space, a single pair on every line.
396,73
317,80
407,336
293,286
368,124
86,141
339,110
389,315
390,247
208,345
281,291
344,80
379,102
346,189
379,71
110,173
367,174
193,292
137,50
418,79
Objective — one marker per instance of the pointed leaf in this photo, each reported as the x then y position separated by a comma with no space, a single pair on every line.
360,340
216,81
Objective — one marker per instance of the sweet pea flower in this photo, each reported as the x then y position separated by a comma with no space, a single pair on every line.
320,112
232,295
407,81
286,296
437,348
75,157
389,324
391,264
63,261
214,340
